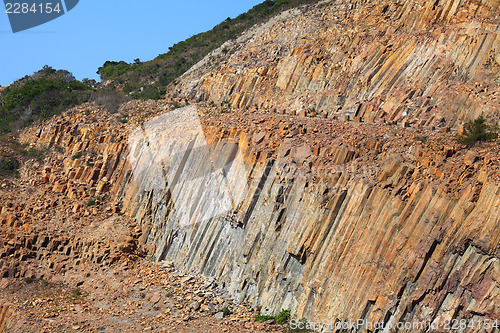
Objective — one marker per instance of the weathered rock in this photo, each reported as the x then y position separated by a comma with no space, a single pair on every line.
377,61
344,220
195,306
279,239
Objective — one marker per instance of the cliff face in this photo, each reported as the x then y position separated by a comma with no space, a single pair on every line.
333,220
423,63
336,220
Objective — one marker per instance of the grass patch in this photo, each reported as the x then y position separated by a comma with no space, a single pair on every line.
39,154
262,318
281,318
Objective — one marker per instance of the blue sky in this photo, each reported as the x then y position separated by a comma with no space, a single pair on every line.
95,31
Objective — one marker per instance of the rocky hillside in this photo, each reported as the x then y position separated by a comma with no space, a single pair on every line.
70,259
315,170
331,219
421,63
148,80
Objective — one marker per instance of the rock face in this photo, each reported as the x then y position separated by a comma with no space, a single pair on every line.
333,220
420,63
298,191
4,316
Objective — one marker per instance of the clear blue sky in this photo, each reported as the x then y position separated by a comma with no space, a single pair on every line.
95,31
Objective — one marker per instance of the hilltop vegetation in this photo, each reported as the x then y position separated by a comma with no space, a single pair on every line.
39,96
149,79
49,91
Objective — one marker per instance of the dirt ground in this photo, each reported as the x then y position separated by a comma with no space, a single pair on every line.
129,297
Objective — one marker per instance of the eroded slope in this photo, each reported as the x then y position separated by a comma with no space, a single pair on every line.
421,63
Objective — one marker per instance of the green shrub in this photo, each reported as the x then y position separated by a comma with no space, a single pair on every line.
283,317
226,311
77,156
113,69
476,130
91,202
9,164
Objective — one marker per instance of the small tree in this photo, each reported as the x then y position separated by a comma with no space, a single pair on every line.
476,130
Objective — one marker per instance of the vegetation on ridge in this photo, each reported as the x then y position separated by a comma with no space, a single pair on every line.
148,80
49,91
40,96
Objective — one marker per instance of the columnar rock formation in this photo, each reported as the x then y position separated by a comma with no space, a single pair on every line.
4,316
421,63
333,220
